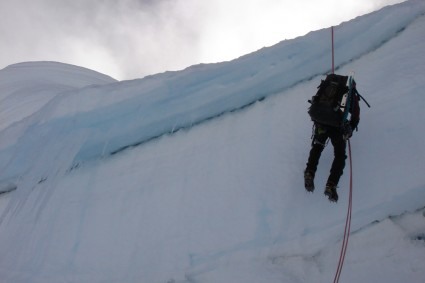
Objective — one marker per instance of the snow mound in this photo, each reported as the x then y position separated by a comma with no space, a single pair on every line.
28,74
26,87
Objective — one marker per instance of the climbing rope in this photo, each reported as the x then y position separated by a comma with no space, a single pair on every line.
347,221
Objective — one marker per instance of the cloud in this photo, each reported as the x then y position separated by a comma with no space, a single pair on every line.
240,27
126,38
133,38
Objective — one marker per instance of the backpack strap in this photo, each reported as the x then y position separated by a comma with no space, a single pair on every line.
368,105
351,92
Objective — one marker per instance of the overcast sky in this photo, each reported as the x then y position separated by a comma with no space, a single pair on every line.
129,39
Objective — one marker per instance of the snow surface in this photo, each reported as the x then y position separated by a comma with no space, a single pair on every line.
196,175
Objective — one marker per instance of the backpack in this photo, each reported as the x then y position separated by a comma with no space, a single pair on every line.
329,104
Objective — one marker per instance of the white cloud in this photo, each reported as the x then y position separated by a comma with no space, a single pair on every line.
238,28
134,38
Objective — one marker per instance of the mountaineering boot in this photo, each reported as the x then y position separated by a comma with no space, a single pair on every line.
309,181
330,192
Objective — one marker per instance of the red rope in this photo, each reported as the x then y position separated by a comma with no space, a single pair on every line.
350,198
347,221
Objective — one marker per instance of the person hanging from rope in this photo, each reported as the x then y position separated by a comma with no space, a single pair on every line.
335,99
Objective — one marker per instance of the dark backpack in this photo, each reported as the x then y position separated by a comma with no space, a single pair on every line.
327,106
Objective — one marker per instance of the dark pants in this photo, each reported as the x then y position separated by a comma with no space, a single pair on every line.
321,135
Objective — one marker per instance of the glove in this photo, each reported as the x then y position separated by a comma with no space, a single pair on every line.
347,131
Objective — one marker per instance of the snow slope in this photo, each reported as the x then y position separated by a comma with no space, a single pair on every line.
222,201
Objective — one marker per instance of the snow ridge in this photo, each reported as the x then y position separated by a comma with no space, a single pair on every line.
138,111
